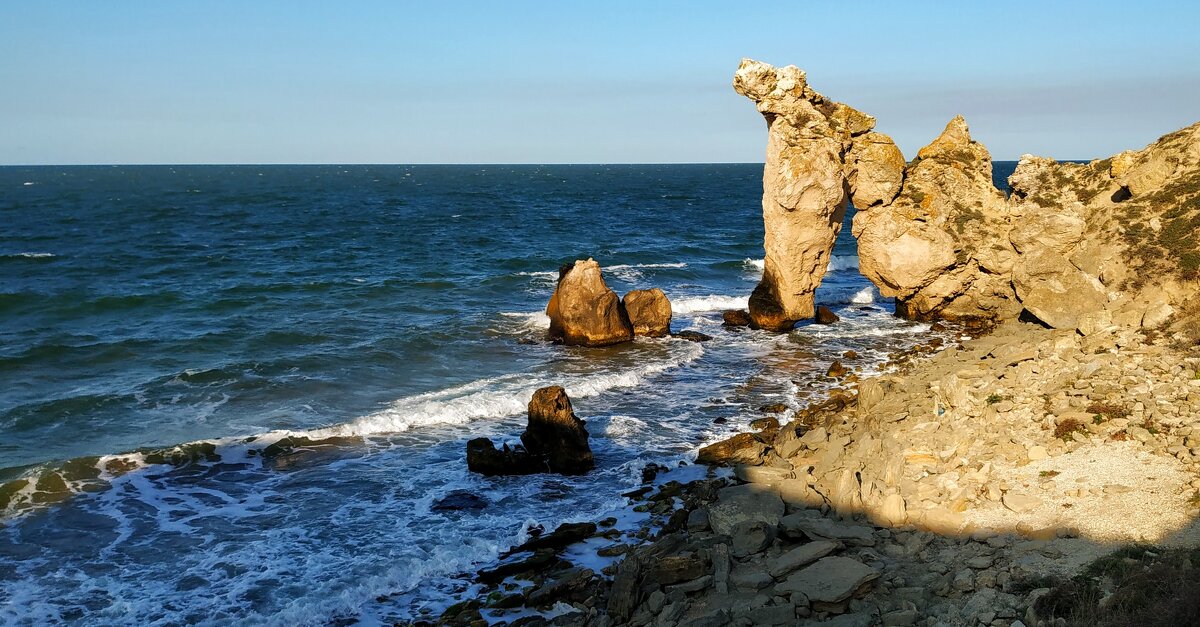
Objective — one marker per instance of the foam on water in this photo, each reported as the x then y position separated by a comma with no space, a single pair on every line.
712,302
504,396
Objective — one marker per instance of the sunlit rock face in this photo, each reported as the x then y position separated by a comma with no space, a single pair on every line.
805,189
1119,235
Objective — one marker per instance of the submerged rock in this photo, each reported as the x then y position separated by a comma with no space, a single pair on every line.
649,312
692,336
583,311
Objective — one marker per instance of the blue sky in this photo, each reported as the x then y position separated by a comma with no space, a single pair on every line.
552,82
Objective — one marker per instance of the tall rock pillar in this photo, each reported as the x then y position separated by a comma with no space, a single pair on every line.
805,187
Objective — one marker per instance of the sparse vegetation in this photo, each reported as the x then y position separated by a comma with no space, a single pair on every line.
994,398
1139,585
1065,428
1103,412
1048,474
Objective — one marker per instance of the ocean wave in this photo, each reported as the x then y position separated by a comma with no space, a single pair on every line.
498,397
836,263
713,302
28,255
628,272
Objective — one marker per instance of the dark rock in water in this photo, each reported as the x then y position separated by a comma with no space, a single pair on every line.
556,435
937,327
736,318
649,312
836,369
825,315
459,500
484,458
720,420
526,341
774,408
742,448
554,441
538,561
651,470
766,312
566,534
850,355
692,336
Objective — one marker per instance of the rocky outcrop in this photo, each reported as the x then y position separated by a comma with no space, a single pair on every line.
1118,235
804,186
555,440
649,312
555,434
583,311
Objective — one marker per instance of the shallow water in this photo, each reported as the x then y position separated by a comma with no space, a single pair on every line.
396,308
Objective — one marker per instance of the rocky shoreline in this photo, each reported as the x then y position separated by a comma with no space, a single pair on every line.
989,470
991,474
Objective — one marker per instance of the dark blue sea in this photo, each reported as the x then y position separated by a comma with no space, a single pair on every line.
162,327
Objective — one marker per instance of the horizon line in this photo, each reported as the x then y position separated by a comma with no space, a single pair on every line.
399,164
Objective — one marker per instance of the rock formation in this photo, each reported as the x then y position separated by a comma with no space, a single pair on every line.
649,312
804,187
555,440
583,311
1111,240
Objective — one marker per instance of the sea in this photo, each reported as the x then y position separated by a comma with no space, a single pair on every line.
238,395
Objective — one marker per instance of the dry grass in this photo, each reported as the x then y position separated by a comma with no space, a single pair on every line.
1136,585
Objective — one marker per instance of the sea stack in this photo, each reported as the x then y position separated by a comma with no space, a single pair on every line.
804,187
583,311
555,441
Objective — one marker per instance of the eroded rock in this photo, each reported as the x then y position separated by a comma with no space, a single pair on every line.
583,311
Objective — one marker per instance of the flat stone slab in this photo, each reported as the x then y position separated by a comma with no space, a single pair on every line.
742,503
1021,503
823,528
830,580
801,556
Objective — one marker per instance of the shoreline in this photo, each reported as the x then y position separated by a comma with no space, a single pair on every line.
960,533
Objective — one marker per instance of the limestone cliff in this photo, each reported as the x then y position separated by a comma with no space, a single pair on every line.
1107,243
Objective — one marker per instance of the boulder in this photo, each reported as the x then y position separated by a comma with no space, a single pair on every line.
740,503
751,536
554,441
649,312
1054,290
830,580
743,448
556,435
484,458
825,315
735,318
583,311
692,336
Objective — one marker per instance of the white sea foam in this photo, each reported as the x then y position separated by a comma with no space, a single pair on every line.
843,262
836,263
712,302
865,296
498,397
525,322
30,255
628,272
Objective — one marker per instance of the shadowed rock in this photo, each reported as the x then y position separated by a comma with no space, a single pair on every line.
554,441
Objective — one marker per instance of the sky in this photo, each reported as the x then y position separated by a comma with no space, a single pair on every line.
215,81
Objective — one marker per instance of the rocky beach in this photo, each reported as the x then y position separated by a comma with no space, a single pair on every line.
1034,460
